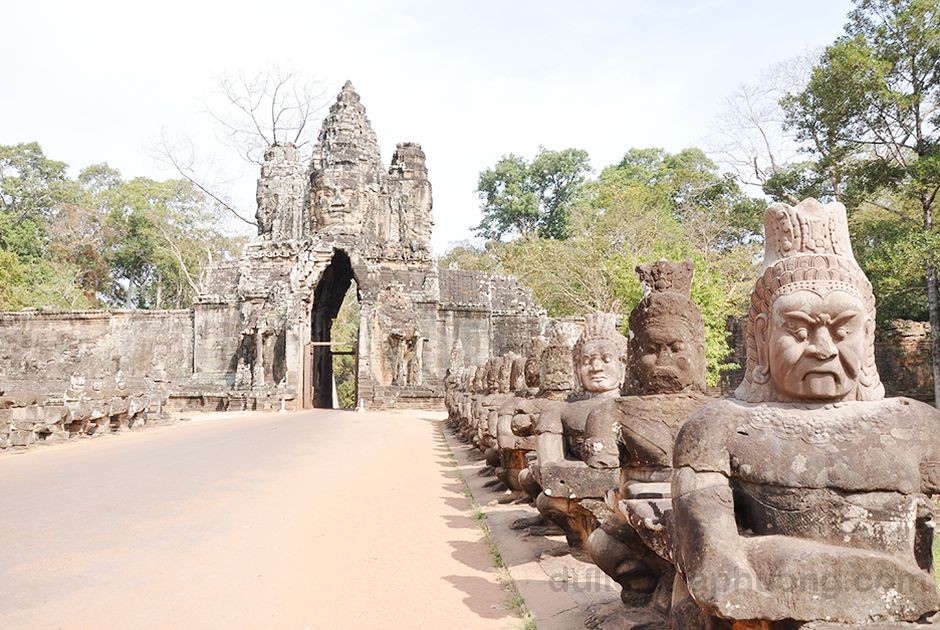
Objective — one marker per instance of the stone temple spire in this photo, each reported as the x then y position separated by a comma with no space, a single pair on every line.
346,173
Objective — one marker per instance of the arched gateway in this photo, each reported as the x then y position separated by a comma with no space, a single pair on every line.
262,324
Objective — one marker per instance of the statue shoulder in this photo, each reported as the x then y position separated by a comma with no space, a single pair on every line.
702,443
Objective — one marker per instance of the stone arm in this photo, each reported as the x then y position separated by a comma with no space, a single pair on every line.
709,552
930,462
525,417
549,435
600,448
505,437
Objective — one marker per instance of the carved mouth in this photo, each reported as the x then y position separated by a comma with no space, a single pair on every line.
831,373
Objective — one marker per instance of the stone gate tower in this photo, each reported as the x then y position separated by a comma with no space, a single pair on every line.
262,324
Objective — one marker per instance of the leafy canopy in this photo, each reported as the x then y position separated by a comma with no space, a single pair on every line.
521,198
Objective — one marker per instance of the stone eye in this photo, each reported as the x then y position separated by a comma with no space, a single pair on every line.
842,333
800,334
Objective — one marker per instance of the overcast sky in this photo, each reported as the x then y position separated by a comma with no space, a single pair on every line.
96,81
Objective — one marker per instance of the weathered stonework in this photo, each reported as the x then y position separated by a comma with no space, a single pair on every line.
258,334
809,479
636,434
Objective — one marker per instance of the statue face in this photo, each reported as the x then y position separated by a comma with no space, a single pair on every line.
600,367
667,358
532,368
555,372
816,345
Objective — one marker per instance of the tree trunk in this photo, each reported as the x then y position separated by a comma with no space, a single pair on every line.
131,294
933,308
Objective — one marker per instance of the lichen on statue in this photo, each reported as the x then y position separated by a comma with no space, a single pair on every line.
807,497
571,491
635,433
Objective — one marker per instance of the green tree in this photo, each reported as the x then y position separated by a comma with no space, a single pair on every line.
651,205
345,330
521,198
869,117
160,237
99,240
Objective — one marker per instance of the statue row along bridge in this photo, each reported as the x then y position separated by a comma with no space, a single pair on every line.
259,332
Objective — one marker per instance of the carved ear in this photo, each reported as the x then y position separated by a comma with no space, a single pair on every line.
761,372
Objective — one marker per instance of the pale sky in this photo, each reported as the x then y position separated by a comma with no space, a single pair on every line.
95,81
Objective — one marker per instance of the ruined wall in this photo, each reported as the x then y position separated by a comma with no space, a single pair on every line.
490,315
256,331
45,349
902,354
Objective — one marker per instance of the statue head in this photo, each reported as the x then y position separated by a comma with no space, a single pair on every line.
600,355
810,333
667,340
456,361
491,379
533,361
478,379
556,373
504,373
517,374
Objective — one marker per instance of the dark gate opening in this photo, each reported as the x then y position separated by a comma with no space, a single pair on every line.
327,300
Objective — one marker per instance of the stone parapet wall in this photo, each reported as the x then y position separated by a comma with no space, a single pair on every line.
27,420
43,351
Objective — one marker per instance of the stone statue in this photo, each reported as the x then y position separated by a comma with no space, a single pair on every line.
636,433
513,449
570,488
807,496
556,383
484,384
452,382
471,384
500,391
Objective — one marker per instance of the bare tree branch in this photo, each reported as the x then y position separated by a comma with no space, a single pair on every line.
270,107
185,169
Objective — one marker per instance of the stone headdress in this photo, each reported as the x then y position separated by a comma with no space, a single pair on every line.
601,326
667,293
807,247
556,370
667,290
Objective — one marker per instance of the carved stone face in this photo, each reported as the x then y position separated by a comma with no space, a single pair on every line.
667,358
504,376
555,372
601,368
533,366
517,374
815,344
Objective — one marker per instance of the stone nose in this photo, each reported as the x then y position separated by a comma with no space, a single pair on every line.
823,347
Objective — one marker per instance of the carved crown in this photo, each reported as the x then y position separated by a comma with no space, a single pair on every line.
601,326
806,228
666,275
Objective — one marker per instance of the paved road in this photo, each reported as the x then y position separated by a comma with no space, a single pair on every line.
323,519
